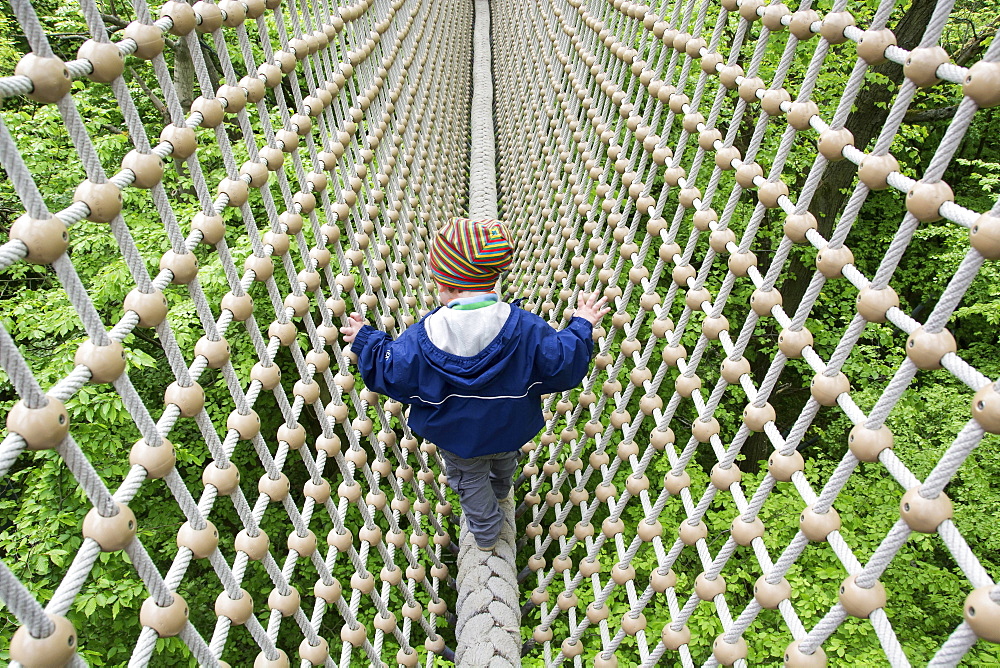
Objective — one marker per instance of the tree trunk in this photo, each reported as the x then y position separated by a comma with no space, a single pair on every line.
184,74
870,111
871,108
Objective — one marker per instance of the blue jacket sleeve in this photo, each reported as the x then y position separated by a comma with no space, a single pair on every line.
386,364
561,358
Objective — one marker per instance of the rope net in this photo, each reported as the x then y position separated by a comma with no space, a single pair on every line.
652,152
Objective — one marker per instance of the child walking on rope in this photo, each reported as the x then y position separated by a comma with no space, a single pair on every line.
474,369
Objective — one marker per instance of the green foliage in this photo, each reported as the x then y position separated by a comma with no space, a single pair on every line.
42,506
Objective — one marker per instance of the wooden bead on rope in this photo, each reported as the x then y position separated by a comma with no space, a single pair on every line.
286,604
982,84
827,389
672,639
631,625
873,44
773,99
982,613
818,526
733,370
212,228
571,648
246,426
792,343
103,200
305,545
341,540
729,653
707,589
724,478
409,660
726,156
237,610
285,332
867,444
216,353
922,63
874,305
158,460
924,200
50,80
254,87
147,168
167,621
783,467
927,349
281,661
831,261
687,385
749,86
225,480
801,113
984,236
769,595
111,533
181,15
54,650
330,593
744,532
858,601
770,192
729,74
986,409
740,263
255,547
151,307
42,428
276,489
796,658
268,376
315,655
713,327
46,239
691,534
924,514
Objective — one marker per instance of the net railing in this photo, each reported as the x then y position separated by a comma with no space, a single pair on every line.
681,157
621,128
353,121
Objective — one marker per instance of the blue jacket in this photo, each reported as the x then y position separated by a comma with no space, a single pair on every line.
484,404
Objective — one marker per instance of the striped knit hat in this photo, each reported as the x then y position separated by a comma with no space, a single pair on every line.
470,254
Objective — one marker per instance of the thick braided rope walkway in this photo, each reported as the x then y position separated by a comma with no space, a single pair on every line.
344,136
488,630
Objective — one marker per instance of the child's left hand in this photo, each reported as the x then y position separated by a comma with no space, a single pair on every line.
592,309
354,325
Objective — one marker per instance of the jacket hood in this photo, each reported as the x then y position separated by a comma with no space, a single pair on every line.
478,370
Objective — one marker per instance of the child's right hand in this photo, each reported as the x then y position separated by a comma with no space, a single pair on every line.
592,309
354,325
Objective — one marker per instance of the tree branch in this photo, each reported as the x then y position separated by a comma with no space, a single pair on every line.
115,21
915,116
974,46
157,102
213,62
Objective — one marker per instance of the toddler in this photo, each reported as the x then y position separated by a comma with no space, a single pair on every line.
474,369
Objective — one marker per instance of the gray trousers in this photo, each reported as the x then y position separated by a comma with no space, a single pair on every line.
480,482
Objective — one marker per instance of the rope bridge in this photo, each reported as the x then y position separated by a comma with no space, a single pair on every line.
642,150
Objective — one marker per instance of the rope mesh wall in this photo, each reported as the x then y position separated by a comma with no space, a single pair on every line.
358,152
621,130
609,99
